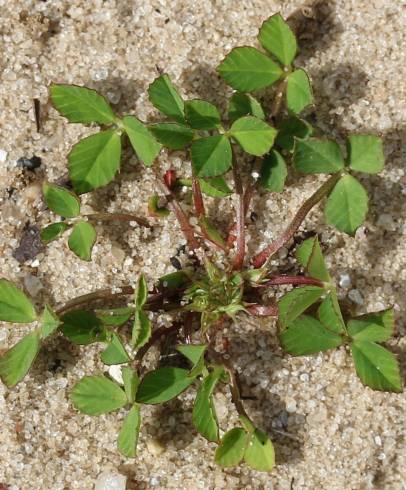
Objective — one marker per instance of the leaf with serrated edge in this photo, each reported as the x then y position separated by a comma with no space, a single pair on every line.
215,187
204,412
244,105
142,140
95,395
201,114
82,239
347,205
163,384
375,327
115,352
273,172
49,322
211,156
16,362
172,135
94,161
60,200
298,91
254,135
128,435
141,293
329,313
306,335
51,232
296,302
376,366
81,104
166,98
231,449
115,317
277,38
317,156
131,382
15,307
365,153
141,329
260,453
246,69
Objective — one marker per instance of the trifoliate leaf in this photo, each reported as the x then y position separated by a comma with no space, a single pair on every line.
244,105
254,135
246,69
309,254
260,453
82,239
81,104
365,153
142,140
296,302
94,161
376,366
306,335
204,412
162,385
128,436
231,449
61,201
16,362
82,327
141,329
215,187
166,98
115,317
49,322
347,205
15,307
317,156
202,115
115,352
375,327
172,135
211,156
298,91
329,313
95,395
273,172
51,232
292,128
141,293
278,39
131,382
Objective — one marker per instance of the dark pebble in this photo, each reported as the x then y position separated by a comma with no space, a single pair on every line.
176,263
253,216
30,244
29,163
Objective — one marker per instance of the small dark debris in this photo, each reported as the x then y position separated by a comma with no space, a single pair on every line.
253,216
167,20
176,263
37,113
54,366
30,245
29,163
10,191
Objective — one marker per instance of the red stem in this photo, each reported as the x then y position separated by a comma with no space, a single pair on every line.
240,219
198,198
294,280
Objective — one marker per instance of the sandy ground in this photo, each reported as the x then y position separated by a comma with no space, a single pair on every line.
329,431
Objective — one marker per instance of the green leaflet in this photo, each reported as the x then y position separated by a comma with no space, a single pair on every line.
306,335
172,135
273,172
254,135
246,69
347,205
376,366
260,453
310,256
141,329
204,412
61,201
292,128
202,115
296,302
49,322
244,105
131,382
163,384
16,362
115,352
81,104
51,232
94,161
141,293
231,449
193,352
365,153
82,239
278,39
375,327
166,98
298,91
15,307
329,313
317,156
211,156
129,433
95,395
82,327
142,140
115,317
215,187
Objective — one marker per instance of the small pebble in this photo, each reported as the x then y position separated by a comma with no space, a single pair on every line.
100,74
115,373
378,441
176,263
345,281
33,285
3,156
111,481
114,97
29,163
155,447
356,297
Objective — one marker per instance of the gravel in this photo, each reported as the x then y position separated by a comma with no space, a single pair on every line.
324,423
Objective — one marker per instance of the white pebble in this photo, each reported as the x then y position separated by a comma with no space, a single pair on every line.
100,74
291,406
3,156
381,456
111,481
378,441
116,374
345,281
356,297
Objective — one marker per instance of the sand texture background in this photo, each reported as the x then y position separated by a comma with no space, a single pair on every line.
330,432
